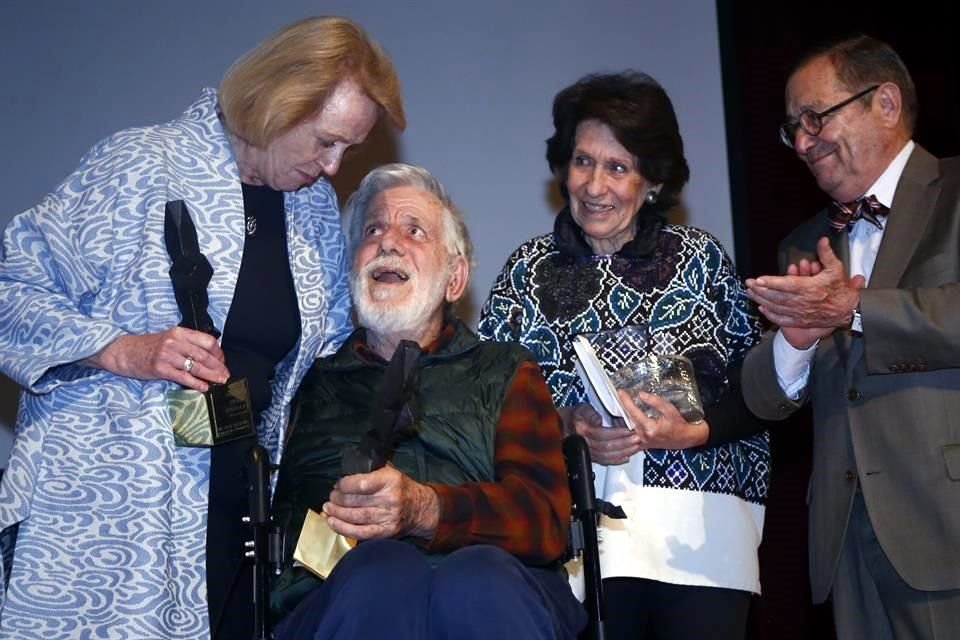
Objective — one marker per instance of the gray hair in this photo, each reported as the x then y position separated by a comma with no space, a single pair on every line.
861,60
405,175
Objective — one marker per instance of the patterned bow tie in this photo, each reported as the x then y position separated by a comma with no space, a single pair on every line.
843,215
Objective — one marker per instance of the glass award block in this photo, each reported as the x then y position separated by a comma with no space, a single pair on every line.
668,376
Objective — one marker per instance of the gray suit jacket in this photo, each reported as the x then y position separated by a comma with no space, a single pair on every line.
887,405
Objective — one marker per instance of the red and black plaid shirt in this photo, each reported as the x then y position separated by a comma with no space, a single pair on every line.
526,509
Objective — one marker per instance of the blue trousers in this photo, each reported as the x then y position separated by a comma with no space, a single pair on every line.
386,589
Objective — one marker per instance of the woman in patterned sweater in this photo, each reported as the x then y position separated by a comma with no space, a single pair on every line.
684,562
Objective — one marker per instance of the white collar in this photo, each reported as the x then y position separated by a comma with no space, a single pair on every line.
886,184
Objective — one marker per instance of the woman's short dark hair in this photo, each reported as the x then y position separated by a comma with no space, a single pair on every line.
641,117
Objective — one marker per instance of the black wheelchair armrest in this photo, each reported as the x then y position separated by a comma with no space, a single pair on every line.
584,541
265,548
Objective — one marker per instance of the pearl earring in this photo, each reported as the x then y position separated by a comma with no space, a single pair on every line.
652,197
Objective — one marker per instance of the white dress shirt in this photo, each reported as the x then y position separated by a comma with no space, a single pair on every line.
793,365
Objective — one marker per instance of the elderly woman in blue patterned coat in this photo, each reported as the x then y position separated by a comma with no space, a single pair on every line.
118,532
684,562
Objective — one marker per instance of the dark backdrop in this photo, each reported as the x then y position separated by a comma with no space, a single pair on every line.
772,192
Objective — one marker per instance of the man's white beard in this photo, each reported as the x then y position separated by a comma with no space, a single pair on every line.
385,316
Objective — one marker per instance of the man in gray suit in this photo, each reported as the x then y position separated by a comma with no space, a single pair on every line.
868,309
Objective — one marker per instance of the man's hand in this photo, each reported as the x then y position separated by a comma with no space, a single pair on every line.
161,356
797,337
669,430
382,504
811,299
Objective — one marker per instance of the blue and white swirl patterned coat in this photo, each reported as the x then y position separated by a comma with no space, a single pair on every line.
112,516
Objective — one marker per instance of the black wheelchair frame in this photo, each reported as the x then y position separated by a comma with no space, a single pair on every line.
265,547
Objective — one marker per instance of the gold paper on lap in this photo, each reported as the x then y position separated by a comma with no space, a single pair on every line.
319,548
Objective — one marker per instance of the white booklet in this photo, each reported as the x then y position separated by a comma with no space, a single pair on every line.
600,390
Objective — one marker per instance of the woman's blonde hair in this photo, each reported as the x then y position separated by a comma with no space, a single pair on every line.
288,76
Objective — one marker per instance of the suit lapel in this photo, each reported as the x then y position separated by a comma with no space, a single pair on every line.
840,244
913,205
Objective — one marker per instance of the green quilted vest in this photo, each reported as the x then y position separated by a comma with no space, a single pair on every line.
459,393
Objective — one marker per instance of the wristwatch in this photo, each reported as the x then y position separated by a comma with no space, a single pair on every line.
856,322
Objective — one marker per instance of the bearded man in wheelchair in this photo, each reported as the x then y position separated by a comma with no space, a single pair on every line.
423,474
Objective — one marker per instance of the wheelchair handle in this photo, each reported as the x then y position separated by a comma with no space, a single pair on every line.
585,514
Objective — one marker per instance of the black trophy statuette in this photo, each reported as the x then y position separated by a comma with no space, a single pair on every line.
222,413
191,271
393,413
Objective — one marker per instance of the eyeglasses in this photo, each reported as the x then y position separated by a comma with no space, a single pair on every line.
812,122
